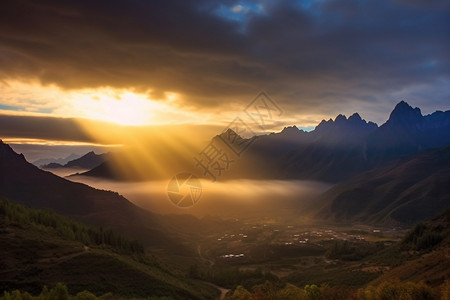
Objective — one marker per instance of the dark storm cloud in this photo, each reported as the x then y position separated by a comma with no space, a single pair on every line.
67,130
62,129
312,55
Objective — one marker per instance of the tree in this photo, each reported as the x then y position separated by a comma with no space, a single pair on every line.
59,292
240,293
312,292
85,295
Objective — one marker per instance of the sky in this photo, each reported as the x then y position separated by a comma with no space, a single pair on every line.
199,63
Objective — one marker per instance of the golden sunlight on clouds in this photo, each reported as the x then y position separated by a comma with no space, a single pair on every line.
120,106
26,141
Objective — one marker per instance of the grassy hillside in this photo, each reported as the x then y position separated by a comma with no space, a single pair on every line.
428,245
43,248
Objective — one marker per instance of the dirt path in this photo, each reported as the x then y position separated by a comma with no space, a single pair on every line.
64,258
223,291
199,252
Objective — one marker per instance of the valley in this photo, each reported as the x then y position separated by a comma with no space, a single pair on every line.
278,223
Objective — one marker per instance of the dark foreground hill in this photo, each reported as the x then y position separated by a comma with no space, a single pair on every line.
405,191
42,248
24,183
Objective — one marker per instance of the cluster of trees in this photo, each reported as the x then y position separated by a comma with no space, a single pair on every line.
385,291
60,292
423,237
231,276
13,213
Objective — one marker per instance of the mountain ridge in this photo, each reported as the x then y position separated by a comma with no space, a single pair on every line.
89,160
26,184
336,150
405,191
60,161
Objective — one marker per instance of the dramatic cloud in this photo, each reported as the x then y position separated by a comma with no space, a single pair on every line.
316,57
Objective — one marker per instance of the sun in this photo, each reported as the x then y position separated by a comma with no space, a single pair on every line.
124,107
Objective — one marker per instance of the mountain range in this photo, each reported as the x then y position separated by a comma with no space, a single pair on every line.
335,151
339,149
396,174
383,174
88,161
60,161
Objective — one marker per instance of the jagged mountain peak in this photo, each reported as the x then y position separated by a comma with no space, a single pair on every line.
229,132
291,129
355,116
340,118
7,152
341,121
404,113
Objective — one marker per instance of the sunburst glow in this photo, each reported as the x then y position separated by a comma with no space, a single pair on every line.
126,108
120,106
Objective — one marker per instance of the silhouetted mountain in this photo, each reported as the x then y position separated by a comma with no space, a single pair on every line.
61,161
331,152
52,166
88,161
107,170
161,162
403,191
405,116
338,150
407,132
342,130
24,183
334,151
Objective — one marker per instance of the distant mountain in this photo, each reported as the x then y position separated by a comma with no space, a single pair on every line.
160,163
342,130
24,183
60,161
339,149
52,166
408,132
404,191
335,151
88,161
107,170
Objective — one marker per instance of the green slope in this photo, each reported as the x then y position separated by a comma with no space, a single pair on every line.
42,248
427,247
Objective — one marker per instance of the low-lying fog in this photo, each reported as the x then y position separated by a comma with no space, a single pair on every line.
235,198
63,172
